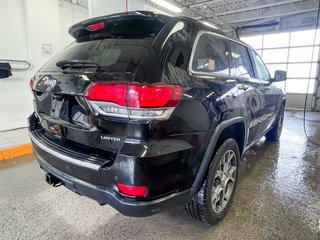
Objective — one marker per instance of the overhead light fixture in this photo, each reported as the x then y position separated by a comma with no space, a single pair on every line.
165,13
167,5
210,25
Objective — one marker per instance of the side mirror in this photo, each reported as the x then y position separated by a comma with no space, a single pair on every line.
279,76
5,70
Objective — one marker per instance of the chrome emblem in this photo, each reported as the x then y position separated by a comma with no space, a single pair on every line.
115,139
49,82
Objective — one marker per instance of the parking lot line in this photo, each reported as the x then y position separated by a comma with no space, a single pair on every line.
16,151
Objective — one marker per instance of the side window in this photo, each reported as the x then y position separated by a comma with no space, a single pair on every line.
240,61
211,55
262,71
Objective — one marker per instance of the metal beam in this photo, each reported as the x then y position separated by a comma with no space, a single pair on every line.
200,3
281,11
257,7
211,16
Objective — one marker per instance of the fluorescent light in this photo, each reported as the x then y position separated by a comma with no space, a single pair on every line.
165,13
167,5
210,25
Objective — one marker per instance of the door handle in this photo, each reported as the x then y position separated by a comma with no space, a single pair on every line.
243,86
231,81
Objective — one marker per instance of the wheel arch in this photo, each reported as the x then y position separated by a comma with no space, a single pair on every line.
224,130
284,100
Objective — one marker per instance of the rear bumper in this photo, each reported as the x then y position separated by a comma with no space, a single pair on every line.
128,207
51,161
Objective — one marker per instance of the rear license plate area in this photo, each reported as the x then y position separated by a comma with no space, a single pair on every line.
59,107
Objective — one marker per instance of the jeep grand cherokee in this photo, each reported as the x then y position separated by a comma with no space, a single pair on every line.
146,112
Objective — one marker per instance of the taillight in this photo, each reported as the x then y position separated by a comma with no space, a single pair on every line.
31,84
149,96
107,92
95,26
132,191
136,100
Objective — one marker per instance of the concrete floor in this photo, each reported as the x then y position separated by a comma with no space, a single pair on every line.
278,197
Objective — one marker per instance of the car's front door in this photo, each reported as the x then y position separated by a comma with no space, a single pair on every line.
270,93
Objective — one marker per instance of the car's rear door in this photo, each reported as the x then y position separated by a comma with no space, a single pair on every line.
249,87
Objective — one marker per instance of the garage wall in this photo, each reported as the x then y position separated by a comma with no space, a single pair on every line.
26,25
43,26
15,98
296,52
70,14
13,42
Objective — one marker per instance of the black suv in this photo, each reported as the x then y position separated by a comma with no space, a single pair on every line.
146,112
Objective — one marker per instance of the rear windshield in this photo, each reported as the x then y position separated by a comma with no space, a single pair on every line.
118,48
112,55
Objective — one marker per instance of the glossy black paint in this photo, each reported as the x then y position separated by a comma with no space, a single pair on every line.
166,156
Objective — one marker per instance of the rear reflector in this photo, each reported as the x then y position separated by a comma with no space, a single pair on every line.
135,95
96,26
133,191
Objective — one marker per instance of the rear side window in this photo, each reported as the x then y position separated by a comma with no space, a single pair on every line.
211,55
261,69
240,61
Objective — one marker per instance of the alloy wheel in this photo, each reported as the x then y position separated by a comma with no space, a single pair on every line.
224,181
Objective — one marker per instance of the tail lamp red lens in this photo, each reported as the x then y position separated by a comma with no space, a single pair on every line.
96,26
133,191
136,95
31,83
107,92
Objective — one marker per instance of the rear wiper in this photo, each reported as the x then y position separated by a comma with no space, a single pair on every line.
76,63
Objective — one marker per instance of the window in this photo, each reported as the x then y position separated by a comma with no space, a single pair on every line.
301,70
302,38
275,55
291,52
211,55
119,47
262,71
273,67
254,41
302,54
113,55
240,61
276,40
299,85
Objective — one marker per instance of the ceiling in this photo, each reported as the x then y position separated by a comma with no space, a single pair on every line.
228,14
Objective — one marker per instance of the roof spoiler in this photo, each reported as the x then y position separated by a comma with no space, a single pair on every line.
94,24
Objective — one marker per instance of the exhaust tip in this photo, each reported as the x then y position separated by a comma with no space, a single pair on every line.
53,180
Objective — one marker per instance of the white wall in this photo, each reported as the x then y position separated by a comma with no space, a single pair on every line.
13,31
25,25
43,28
70,14
15,97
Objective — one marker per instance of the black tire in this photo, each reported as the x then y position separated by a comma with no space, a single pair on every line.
275,132
202,206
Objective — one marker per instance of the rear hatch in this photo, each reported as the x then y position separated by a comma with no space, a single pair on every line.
107,49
